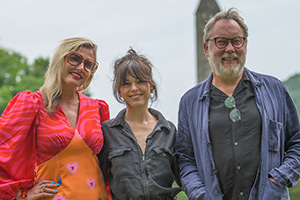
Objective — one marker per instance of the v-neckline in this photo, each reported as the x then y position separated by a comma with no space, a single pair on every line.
78,116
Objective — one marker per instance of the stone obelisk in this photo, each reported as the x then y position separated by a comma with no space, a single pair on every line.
205,10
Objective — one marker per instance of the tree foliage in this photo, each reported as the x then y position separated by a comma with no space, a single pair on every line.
293,84
17,75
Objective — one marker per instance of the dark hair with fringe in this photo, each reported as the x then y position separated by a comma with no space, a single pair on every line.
135,65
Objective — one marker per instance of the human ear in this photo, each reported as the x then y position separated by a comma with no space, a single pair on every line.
205,47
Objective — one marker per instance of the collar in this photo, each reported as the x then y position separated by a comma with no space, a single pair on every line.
119,119
253,77
205,85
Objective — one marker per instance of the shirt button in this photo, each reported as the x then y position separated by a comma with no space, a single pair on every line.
236,143
238,167
241,193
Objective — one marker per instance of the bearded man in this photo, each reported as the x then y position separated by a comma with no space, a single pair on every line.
238,131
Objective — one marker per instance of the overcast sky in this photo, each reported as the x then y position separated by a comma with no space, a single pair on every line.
163,30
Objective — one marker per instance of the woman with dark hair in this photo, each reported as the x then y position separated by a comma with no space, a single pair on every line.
138,142
49,138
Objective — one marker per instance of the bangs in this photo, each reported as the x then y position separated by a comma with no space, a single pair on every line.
136,70
136,66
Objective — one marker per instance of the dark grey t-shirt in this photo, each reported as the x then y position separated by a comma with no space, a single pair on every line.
236,145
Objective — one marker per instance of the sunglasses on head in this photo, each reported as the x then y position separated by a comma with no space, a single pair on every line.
76,59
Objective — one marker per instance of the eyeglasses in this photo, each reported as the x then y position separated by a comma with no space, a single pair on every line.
221,42
235,114
76,59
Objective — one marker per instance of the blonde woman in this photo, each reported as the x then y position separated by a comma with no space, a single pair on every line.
49,138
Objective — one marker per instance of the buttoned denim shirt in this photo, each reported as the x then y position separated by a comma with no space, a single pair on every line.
280,141
134,174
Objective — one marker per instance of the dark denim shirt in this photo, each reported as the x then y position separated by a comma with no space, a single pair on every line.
134,174
280,142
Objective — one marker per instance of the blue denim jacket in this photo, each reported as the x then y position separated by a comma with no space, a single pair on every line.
280,142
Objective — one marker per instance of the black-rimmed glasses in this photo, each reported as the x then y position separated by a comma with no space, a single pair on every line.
221,42
76,59
235,114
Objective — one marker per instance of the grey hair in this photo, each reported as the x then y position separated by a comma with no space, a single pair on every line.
231,13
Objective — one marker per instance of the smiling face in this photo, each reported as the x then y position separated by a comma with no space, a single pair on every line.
228,62
136,93
75,76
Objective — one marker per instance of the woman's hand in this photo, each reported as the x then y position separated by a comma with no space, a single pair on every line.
44,188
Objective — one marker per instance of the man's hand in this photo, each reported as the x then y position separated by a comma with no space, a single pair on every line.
272,179
201,196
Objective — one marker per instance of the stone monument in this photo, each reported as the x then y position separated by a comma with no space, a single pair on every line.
205,10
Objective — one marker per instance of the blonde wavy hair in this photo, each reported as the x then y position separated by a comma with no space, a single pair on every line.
52,88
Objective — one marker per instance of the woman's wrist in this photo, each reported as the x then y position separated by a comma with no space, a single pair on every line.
22,194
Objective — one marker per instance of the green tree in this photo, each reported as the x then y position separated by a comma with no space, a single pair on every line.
33,76
17,75
293,84
13,70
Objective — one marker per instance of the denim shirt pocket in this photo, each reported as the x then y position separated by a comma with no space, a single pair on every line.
163,151
161,166
118,152
275,129
275,191
117,158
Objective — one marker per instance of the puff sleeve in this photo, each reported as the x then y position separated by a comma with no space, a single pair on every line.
103,110
17,144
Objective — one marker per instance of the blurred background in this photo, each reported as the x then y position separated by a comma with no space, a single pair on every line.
162,30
